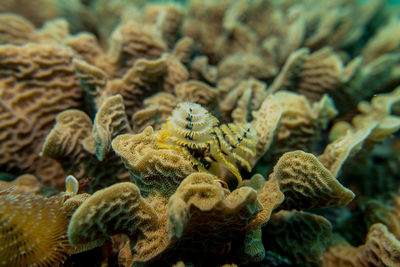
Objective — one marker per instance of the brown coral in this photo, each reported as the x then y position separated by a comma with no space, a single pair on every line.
15,30
380,109
93,81
205,32
167,18
102,215
376,123
131,42
30,11
72,144
198,92
200,204
37,82
300,236
266,122
109,122
202,70
151,168
345,146
33,230
243,66
301,122
324,72
121,209
183,208
290,71
145,78
269,196
384,41
157,109
18,31
241,100
176,73
380,249
139,82
183,50
87,48
306,183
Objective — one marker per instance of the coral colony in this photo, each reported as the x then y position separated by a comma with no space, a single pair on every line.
199,133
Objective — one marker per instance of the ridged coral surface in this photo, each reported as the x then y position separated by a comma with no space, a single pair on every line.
71,143
201,132
115,210
110,122
37,82
381,248
200,204
306,183
151,168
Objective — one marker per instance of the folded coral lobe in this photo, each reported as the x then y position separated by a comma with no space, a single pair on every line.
36,83
152,169
306,183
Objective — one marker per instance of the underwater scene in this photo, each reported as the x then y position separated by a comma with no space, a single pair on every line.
200,133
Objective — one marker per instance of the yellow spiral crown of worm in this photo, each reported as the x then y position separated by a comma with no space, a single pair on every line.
194,131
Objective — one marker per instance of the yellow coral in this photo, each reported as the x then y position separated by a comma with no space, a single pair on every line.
151,169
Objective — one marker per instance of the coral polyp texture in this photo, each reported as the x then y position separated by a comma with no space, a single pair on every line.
306,183
199,133
37,82
151,168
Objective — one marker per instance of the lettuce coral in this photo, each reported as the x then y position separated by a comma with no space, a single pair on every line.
202,133
33,230
381,248
198,204
156,228
84,149
151,168
306,183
